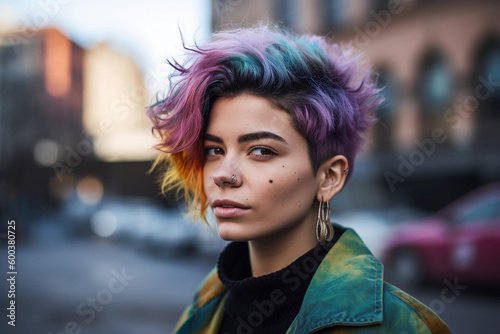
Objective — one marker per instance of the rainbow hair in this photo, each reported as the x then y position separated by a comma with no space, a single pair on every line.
321,85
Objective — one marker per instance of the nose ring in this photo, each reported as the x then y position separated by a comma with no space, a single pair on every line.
233,179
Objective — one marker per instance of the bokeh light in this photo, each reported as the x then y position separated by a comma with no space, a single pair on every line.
45,152
89,190
103,223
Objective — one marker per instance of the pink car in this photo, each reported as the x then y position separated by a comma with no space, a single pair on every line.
461,241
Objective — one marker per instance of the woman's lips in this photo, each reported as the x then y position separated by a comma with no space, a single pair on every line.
223,208
228,212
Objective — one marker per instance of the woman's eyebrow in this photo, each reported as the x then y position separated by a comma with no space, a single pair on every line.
213,138
248,137
259,135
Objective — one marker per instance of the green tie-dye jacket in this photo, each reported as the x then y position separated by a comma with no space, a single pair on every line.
346,295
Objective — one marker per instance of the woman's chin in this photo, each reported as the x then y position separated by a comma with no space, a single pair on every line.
232,233
232,237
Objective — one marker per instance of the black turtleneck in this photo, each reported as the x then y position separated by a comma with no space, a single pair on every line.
269,303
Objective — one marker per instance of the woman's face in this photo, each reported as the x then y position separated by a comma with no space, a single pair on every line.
275,187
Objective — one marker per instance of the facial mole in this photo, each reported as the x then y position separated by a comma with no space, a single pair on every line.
270,181
298,179
283,166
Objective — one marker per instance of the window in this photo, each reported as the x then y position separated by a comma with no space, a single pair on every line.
286,12
488,71
488,209
336,13
485,87
384,113
435,86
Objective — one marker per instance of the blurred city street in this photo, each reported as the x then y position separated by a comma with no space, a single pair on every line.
56,275
98,250
59,278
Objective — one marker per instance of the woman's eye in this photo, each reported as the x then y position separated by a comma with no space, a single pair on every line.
262,151
213,151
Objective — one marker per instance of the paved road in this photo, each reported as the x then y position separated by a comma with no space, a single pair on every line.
101,287
468,311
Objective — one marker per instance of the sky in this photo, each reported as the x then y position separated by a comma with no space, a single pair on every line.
146,30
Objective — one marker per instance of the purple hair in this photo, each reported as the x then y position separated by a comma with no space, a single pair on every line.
321,85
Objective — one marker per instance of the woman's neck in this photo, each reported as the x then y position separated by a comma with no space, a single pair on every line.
278,251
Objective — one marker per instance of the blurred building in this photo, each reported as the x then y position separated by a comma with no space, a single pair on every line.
438,133
40,111
114,116
114,106
65,113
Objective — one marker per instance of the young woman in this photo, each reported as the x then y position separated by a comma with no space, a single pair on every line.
262,126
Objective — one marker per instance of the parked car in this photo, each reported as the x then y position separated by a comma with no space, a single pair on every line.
459,242
375,226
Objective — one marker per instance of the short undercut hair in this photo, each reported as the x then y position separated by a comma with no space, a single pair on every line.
323,86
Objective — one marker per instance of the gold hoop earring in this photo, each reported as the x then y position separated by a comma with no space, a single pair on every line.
324,228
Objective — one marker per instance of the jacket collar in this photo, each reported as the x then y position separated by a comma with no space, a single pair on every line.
345,290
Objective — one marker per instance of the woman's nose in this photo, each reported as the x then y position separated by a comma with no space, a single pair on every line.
227,175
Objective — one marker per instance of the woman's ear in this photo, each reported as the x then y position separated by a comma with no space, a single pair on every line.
332,174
